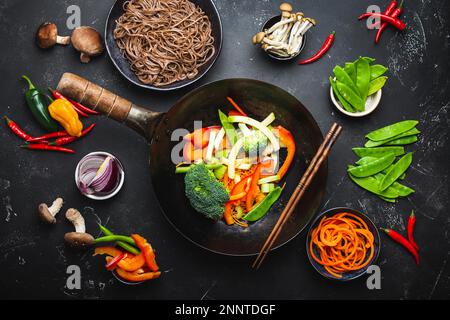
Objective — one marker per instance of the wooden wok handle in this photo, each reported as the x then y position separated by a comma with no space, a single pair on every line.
93,96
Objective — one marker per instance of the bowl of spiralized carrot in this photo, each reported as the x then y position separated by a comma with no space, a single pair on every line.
342,243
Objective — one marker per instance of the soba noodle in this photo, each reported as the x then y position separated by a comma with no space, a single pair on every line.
164,40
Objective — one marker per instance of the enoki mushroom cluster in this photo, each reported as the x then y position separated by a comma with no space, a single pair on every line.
285,38
165,41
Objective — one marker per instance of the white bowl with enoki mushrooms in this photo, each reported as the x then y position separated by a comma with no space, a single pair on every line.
283,37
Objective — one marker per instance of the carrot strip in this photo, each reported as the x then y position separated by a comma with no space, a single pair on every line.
234,104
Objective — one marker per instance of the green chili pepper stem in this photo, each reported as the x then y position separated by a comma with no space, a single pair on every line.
115,238
30,84
121,244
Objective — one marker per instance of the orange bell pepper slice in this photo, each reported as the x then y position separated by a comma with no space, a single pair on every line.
137,277
228,214
147,250
132,264
110,251
238,196
253,191
287,139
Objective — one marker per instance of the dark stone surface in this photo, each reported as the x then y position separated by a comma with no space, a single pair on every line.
33,257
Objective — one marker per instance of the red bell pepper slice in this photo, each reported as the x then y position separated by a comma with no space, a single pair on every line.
254,189
286,139
200,137
147,250
111,265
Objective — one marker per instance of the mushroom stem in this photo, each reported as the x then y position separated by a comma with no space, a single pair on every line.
56,206
74,216
63,40
85,58
47,214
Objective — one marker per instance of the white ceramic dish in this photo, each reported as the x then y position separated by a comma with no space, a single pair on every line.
121,172
372,103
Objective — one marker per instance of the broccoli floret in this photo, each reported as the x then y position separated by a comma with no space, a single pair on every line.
255,142
206,194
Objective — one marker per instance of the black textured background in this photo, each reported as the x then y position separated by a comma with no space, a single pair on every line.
33,257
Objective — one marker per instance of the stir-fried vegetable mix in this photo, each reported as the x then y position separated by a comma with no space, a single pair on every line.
231,169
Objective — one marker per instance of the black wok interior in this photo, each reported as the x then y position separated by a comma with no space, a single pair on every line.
122,63
258,99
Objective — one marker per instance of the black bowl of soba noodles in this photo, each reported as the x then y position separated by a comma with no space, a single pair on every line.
163,44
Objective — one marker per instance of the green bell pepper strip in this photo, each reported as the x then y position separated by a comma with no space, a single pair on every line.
373,167
263,207
350,96
363,77
396,171
347,106
38,103
412,132
121,244
230,131
392,130
378,152
115,238
377,70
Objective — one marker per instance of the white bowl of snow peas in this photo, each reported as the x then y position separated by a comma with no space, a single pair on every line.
356,88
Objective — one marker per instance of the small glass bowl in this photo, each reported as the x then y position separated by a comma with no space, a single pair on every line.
113,192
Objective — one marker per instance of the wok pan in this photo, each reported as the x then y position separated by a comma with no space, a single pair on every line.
258,99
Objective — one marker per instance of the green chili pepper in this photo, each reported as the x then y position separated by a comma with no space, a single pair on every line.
122,244
350,68
402,141
378,152
373,167
376,85
115,238
370,143
38,104
230,131
392,130
343,77
263,207
185,169
350,96
377,70
396,171
362,77
347,106
372,184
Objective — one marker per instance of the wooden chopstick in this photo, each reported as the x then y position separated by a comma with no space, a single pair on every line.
314,166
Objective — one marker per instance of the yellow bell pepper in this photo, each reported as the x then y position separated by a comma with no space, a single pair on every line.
63,112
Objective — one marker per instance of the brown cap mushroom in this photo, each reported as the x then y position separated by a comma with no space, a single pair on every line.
88,42
286,7
79,238
47,36
47,214
258,38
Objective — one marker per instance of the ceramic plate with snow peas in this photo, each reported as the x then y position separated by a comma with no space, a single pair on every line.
356,81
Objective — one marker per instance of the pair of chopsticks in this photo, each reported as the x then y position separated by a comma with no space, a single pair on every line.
305,181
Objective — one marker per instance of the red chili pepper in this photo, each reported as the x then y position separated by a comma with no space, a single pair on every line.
394,14
115,261
57,134
397,237
46,147
325,47
235,105
66,140
83,108
18,131
411,223
400,25
58,95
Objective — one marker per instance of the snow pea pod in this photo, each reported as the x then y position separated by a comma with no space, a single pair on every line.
347,106
377,70
378,152
392,130
370,143
372,184
362,77
368,59
350,68
373,167
402,141
385,171
396,171
365,160
402,190
350,96
387,199
263,207
230,131
376,85
343,77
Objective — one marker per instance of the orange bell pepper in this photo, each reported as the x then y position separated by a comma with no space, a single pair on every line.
147,250
286,139
132,264
110,251
228,214
137,277
253,191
